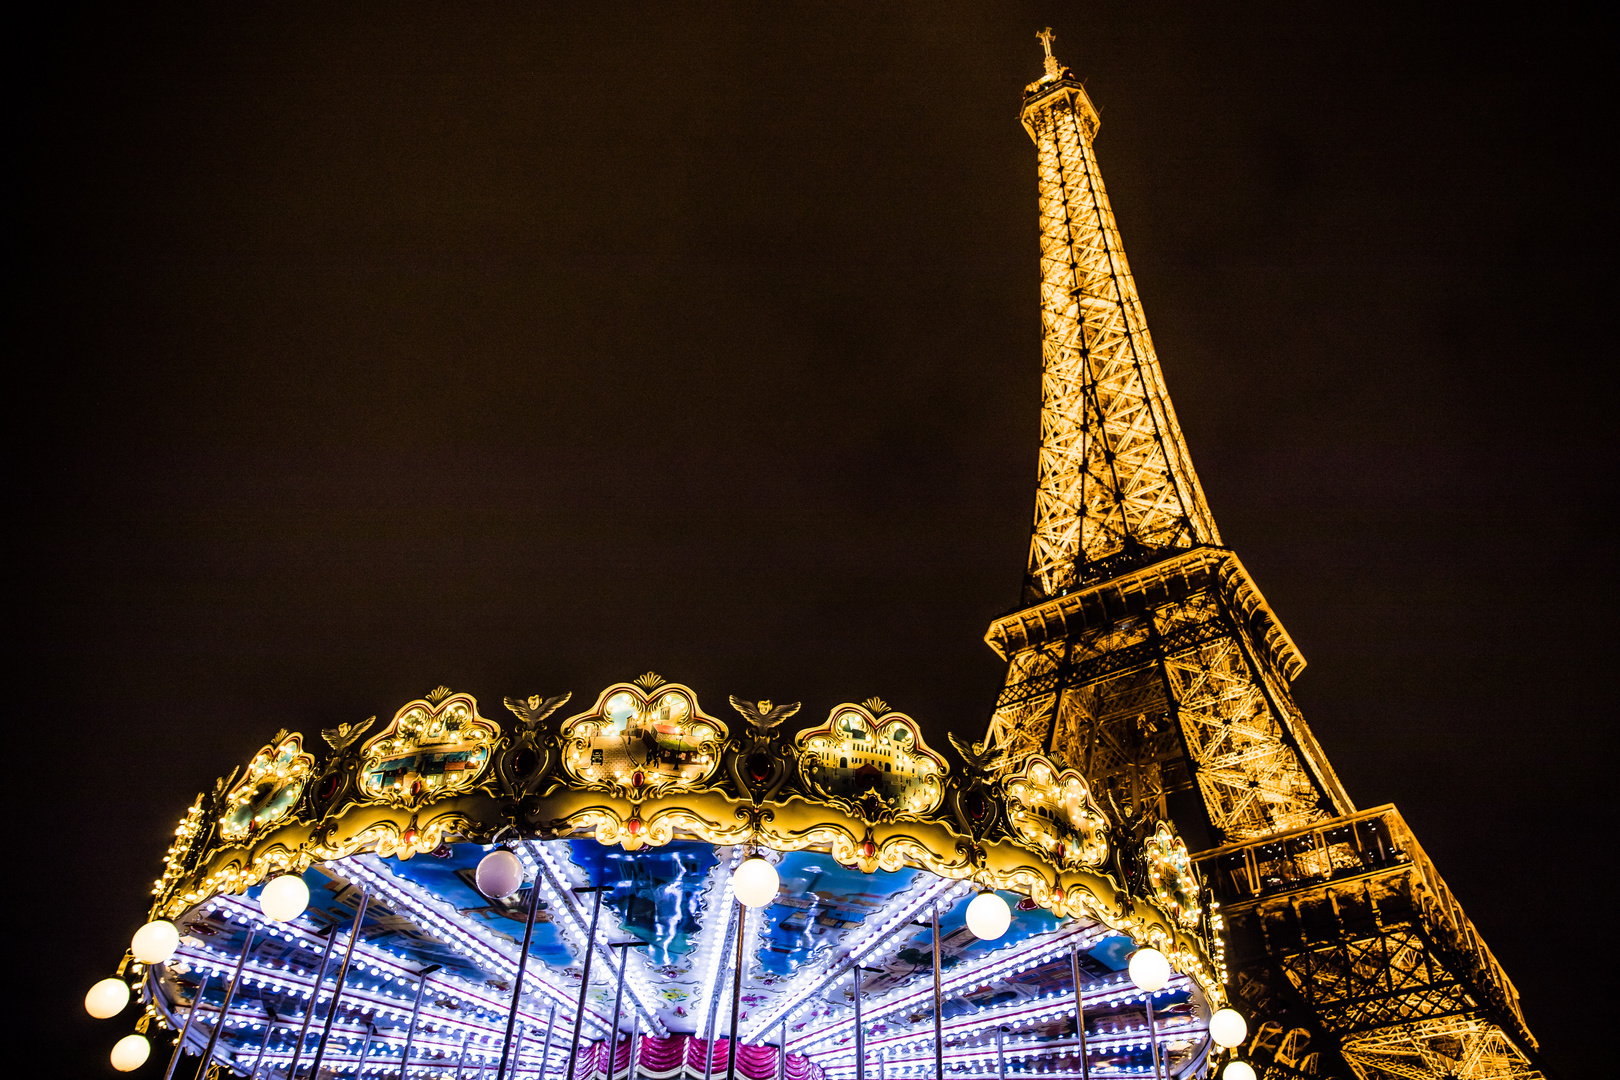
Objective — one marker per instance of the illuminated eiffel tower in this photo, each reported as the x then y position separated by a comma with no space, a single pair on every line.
1145,657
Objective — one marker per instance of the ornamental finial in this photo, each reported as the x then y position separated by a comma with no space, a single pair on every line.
1046,38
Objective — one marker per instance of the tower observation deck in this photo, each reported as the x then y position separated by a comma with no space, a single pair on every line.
1145,657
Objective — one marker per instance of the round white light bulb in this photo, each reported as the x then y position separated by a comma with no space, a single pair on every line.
155,942
107,998
1237,1070
754,882
1228,1028
285,898
1149,969
988,916
130,1053
499,874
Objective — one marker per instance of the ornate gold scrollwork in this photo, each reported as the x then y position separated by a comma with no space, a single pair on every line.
429,751
1051,809
1170,873
874,766
269,789
642,744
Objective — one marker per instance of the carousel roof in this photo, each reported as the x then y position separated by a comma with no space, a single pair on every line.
633,814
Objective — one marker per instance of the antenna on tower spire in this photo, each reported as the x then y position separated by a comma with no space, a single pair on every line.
1054,70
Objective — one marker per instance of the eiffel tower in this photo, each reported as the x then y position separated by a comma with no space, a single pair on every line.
1145,656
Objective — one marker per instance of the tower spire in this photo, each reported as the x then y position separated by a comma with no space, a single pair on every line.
1115,481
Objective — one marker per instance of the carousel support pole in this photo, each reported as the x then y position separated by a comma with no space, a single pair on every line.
618,999
714,1003
314,998
416,1009
1001,1052
1079,1014
185,1029
517,1048
545,1050
635,1034
1153,1037
365,1050
461,1062
584,983
781,1055
939,1006
517,983
736,992
269,1026
225,1006
860,1031
337,988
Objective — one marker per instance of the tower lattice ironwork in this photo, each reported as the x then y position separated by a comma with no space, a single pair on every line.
1145,657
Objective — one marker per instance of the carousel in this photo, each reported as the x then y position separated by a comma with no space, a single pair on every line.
645,890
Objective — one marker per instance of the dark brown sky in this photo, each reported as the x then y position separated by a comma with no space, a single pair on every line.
524,350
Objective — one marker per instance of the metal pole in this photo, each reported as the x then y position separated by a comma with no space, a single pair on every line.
635,1032
1079,1014
517,983
365,1050
714,1002
185,1029
410,1030
517,1048
1001,1053
225,1006
269,1025
781,1055
860,1032
1153,1038
545,1051
584,984
466,1037
736,993
337,988
939,1007
613,1032
314,997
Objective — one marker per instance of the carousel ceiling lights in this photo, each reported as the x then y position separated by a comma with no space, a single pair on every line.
754,883
499,875
155,942
988,916
285,898
107,998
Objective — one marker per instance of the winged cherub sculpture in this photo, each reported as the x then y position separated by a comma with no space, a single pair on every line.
762,716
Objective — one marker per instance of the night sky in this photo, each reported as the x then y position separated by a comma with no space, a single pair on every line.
526,350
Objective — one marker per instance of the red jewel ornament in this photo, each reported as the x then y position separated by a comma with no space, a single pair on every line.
868,848
634,824
637,778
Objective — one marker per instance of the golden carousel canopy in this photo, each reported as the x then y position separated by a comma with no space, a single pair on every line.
635,888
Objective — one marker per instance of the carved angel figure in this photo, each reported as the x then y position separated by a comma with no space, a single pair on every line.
534,709
977,755
762,716
344,736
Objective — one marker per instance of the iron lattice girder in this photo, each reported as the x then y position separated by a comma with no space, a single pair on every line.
1113,466
1177,661
1460,1047
1356,917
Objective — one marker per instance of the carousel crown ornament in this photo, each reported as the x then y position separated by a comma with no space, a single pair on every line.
751,901
643,890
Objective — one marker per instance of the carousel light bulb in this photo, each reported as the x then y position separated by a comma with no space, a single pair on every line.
155,942
1237,1070
107,998
754,882
499,874
285,898
1228,1028
130,1053
988,916
1149,969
